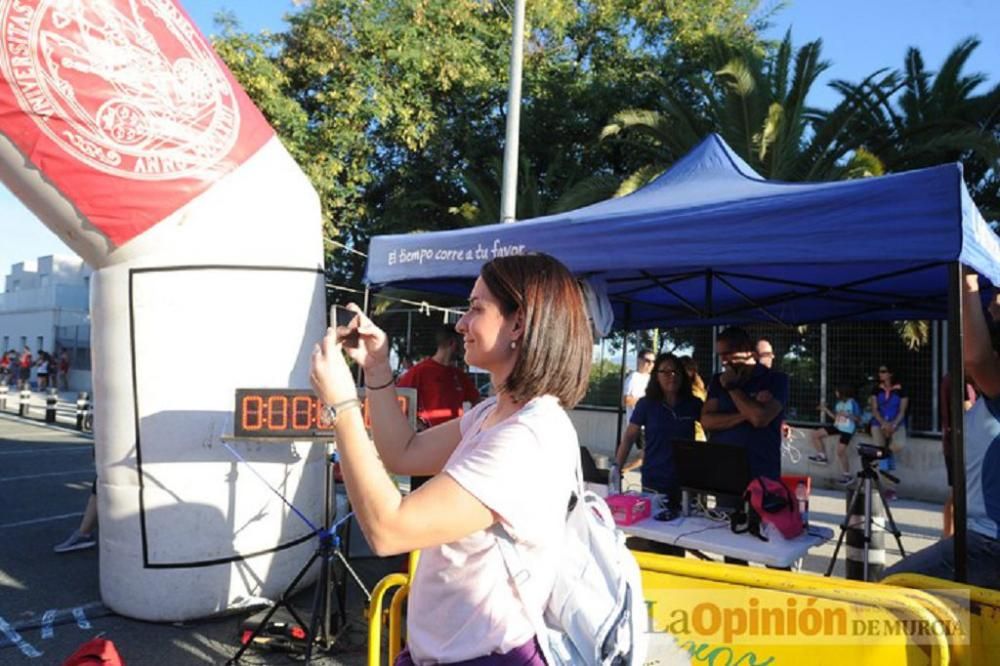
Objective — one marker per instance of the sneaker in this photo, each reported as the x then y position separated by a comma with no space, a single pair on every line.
76,541
819,458
845,479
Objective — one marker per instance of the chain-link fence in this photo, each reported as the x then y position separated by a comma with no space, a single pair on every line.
818,358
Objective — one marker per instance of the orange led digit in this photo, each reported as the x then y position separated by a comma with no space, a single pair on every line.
277,409
301,412
252,407
279,413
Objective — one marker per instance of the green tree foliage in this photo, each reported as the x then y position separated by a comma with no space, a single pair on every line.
395,108
756,101
916,118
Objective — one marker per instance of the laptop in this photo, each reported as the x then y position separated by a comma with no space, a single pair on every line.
712,468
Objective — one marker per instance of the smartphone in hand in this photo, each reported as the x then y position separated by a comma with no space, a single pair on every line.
341,318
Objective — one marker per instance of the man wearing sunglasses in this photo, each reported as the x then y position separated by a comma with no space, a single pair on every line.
636,382
746,403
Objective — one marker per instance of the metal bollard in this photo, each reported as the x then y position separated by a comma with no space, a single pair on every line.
82,407
51,400
854,564
3,397
22,407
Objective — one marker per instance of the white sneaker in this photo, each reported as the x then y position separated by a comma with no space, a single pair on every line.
76,541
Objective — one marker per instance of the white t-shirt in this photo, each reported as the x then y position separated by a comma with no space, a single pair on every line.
635,386
462,604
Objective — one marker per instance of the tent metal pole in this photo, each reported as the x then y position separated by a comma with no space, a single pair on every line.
621,378
508,198
935,375
956,368
823,379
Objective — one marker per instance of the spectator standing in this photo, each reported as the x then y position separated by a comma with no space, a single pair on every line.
636,382
63,380
982,460
765,353
442,387
888,403
746,403
668,411
24,368
83,536
42,368
5,371
944,408
846,417
698,388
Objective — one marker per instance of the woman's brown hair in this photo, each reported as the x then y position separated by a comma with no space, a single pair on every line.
555,350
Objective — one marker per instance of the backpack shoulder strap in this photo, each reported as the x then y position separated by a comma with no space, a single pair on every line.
519,575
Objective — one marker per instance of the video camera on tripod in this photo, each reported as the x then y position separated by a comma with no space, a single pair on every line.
862,496
872,452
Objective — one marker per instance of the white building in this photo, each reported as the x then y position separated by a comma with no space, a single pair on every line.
46,306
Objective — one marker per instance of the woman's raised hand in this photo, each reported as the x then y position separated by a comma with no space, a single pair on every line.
373,344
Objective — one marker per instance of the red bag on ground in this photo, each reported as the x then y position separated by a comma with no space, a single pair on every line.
95,651
776,505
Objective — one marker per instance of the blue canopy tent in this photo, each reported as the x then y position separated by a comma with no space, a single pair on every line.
711,242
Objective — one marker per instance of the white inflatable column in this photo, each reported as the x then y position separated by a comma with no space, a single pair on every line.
125,134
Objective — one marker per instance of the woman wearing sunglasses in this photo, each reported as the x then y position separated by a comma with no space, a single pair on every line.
888,404
668,411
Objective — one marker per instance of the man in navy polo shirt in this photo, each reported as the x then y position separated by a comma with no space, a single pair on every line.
746,404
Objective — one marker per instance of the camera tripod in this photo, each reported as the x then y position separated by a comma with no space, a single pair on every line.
868,478
329,583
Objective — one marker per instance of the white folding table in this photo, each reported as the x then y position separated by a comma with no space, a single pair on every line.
700,534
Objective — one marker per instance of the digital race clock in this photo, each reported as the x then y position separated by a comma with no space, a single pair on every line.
292,413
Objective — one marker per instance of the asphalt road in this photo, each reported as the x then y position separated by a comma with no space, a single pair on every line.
45,478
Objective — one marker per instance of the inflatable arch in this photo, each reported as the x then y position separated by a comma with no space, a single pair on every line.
126,135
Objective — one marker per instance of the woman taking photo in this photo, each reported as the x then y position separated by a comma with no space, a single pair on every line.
510,460
668,411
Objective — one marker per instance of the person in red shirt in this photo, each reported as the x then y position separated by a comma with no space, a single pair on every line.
442,387
4,368
25,368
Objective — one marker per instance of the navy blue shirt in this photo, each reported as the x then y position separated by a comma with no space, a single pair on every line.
664,424
763,444
889,402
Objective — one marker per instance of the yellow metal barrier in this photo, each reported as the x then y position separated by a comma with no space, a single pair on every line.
983,607
394,617
375,614
703,604
678,589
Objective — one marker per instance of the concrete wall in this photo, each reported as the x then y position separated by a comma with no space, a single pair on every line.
920,466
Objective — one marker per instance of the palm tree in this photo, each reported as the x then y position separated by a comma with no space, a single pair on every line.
915,118
758,104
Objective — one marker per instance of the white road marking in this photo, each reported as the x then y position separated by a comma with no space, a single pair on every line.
42,476
47,618
64,449
27,648
81,618
42,520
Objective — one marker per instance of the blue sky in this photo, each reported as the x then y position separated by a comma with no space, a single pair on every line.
859,36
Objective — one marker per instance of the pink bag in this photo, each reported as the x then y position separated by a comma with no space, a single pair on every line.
775,504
